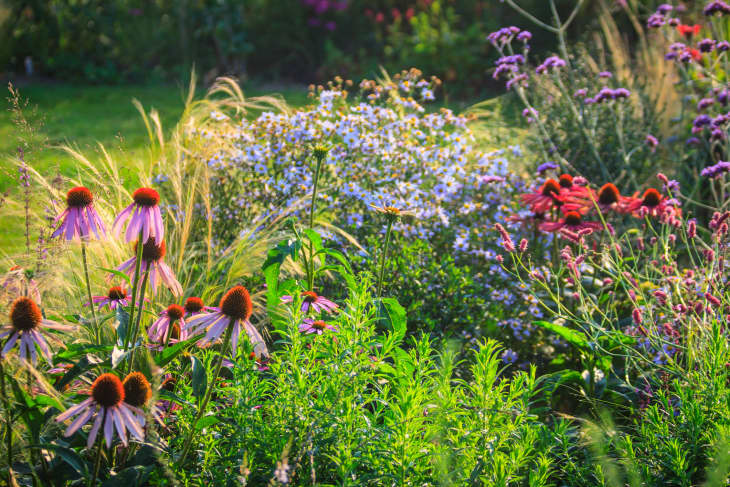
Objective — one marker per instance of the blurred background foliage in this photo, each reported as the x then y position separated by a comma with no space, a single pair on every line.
302,41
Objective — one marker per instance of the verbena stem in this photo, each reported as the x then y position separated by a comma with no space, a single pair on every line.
208,393
97,331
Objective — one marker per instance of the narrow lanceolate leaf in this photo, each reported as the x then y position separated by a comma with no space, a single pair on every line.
571,336
200,378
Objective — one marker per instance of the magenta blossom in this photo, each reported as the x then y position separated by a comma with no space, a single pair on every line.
144,216
310,326
152,263
79,220
314,301
116,297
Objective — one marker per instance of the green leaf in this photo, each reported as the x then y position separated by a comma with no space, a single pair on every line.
315,238
170,353
200,377
338,256
69,456
274,260
573,337
207,421
122,324
135,476
394,316
117,273
84,364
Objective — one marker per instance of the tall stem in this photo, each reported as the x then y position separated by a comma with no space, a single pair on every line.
208,393
312,208
97,331
140,245
8,422
97,463
384,254
139,318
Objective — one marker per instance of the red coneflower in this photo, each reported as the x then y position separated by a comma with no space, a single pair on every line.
195,305
689,30
652,203
565,181
545,198
571,221
106,404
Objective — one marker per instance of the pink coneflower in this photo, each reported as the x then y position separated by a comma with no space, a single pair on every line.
17,282
572,221
152,255
312,300
195,305
79,220
143,215
235,308
105,404
116,297
137,393
172,316
26,320
310,326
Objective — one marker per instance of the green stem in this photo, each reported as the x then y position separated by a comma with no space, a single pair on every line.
312,208
139,319
208,393
167,335
384,254
8,422
97,463
140,245
97,331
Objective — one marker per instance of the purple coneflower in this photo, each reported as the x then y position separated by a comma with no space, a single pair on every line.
137,393
106,404
310,326
195,305
314,301
152,255
166,325
144,216
117,296
17,282
235,308
26,320
79,220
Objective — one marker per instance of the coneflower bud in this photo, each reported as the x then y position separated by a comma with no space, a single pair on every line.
661,177
137,390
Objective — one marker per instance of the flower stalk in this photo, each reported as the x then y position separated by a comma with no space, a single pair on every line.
384,254
137,267
97,330
208,393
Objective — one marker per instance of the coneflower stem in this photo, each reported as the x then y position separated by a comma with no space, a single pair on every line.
384,254
142,289
208,393
97,331
167,335
137,267
97,463
312,208
8,428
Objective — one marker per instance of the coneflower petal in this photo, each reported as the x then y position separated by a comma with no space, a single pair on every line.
95,429
131,423
121,218
109,427
74,410
119,423
78,422
234,336
10,343
42,344
257,341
